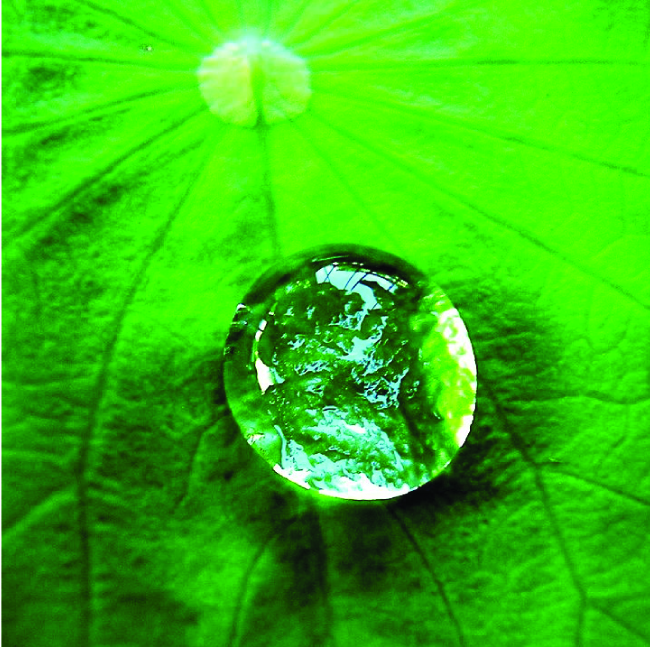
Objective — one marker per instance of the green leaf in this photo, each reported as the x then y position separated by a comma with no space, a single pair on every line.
501,147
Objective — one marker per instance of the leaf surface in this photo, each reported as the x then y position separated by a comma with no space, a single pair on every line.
501,147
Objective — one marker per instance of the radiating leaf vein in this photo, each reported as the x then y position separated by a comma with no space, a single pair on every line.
427,65
210,14
192,458
430,570
243,589
586,395
482,129
92,112
285,37
52,502
522,233
131,23
555,468
520,446
620,621
329,162
441,16
95,405
97,177
327,20
145,62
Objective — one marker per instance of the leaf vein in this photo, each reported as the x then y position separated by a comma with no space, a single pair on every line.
94,423
522,233
192,461
397,29
101,110
53,501
243,589
334,16
146,63
293,23
210,15
348,187
127,21
626,625
555,469
520,447
427,65
94,179
430,570
589,395
492,133
268,192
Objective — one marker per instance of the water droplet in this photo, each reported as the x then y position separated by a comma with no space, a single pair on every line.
254,79
350,373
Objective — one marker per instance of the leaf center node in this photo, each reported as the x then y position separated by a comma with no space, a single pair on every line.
254,80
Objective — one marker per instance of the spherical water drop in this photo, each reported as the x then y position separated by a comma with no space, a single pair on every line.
350,373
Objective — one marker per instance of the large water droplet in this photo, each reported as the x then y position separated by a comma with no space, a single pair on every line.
350,373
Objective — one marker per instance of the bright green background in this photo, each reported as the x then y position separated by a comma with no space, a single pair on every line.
503,147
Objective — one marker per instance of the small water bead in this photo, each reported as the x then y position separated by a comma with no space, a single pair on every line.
350,373
254,79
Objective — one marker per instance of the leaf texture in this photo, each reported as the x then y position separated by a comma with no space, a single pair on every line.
501,147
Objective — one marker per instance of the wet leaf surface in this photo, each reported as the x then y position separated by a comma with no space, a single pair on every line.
500,147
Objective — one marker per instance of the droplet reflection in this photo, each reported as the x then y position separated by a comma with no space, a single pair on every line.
351,374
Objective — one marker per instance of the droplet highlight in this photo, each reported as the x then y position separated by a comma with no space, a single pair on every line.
350,373
253,80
